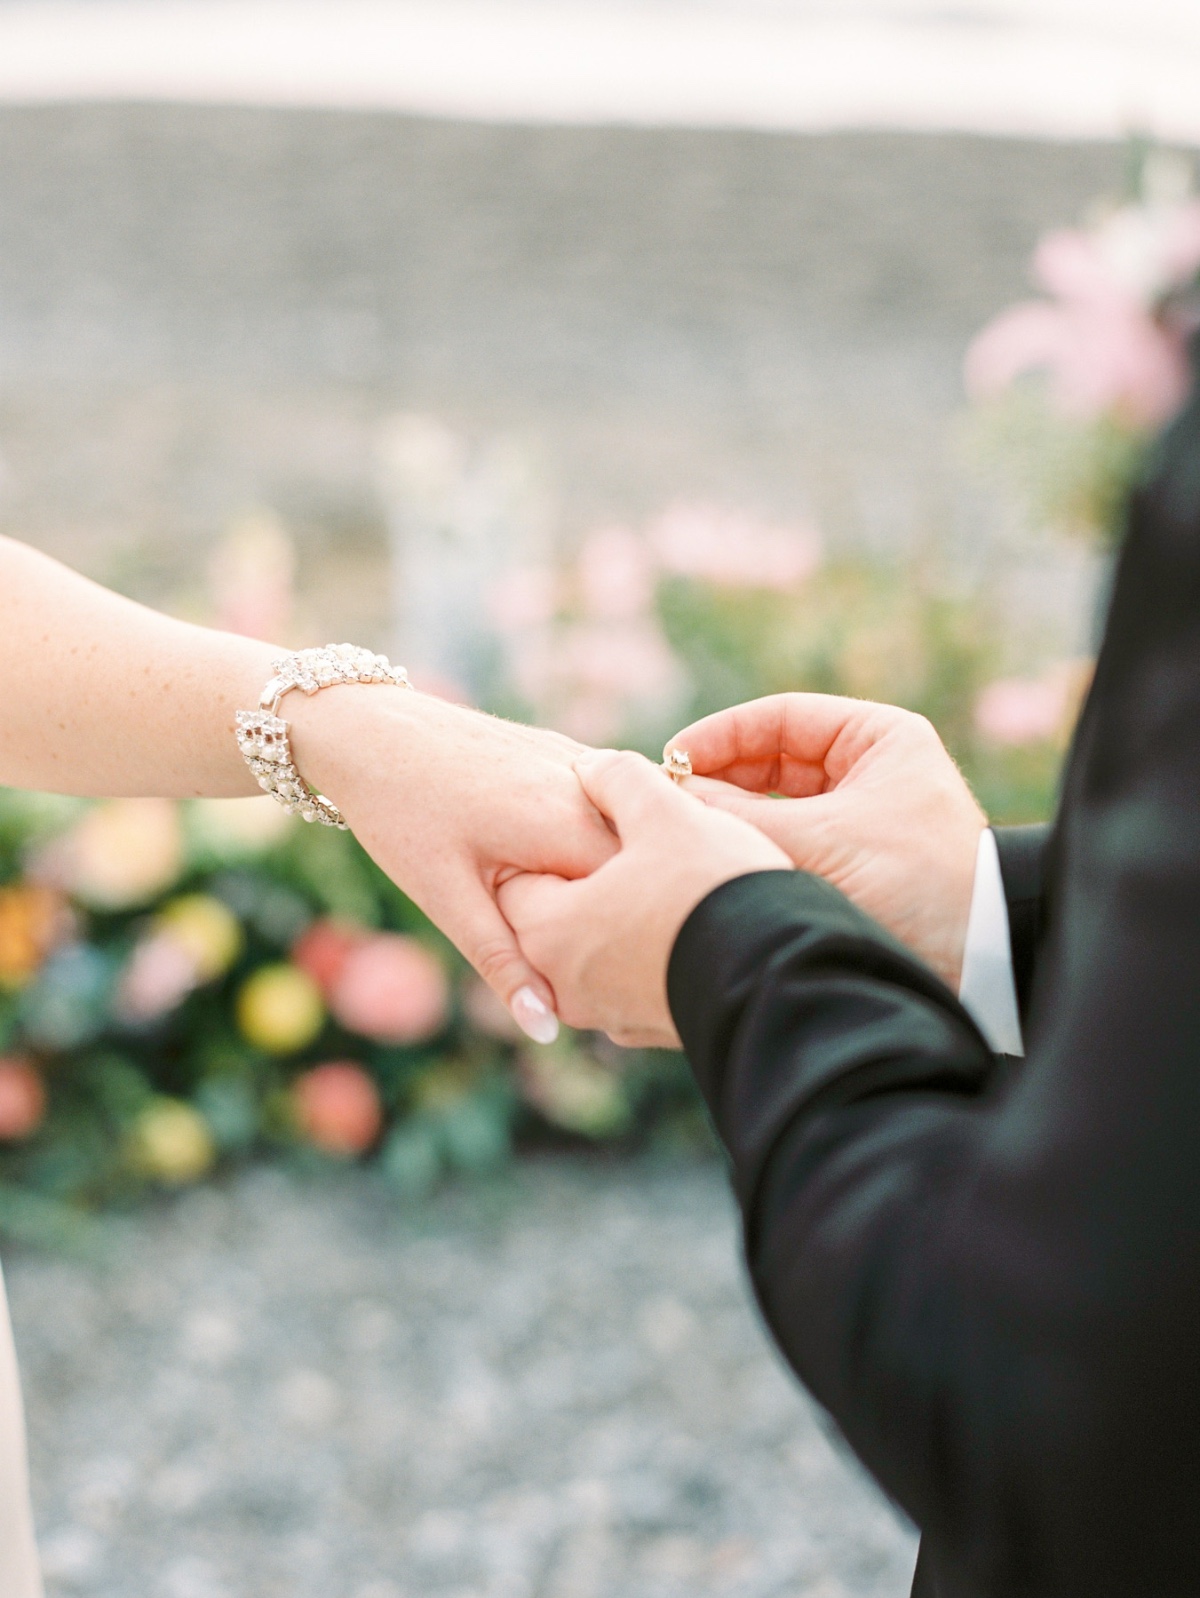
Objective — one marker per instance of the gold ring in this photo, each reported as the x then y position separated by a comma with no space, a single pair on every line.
678,765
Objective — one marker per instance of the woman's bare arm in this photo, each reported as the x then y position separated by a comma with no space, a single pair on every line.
99,695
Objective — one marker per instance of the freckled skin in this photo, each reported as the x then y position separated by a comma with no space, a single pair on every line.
448,801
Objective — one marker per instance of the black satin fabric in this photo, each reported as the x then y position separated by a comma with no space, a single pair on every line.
991,1278
1024,868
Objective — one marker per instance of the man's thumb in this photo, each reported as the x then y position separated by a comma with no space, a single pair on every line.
625,788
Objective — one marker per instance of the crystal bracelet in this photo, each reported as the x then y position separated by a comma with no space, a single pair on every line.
262,734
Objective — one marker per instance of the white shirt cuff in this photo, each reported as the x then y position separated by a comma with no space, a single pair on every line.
988,990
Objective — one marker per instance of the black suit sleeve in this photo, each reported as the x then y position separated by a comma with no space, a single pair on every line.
1024,855
992,1283
992,1279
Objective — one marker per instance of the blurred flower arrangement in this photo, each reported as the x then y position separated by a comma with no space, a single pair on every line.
706,606
185,985
1071,387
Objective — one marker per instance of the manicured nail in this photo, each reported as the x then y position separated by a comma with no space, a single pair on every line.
535,1018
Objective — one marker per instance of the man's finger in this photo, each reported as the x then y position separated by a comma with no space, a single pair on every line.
722,795
794,744
781,820
625,788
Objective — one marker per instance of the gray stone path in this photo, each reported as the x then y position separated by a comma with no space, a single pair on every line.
553,1387
205,310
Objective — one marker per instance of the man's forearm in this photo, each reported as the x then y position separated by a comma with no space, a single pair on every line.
103,696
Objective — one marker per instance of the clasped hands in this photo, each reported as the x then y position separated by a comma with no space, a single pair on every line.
564,874
868,798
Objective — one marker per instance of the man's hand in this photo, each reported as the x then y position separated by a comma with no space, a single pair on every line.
604,941
871,801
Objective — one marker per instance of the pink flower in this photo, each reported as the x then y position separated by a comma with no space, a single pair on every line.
616,574
1019,710
734,549
1101,356
1100,338
337,1107
1181,245
593,717
393,989
525,598
160,974
634,661
589,678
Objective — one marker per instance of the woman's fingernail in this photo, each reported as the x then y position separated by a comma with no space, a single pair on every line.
534,1017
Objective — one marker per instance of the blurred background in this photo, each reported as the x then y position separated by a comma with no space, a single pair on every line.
606,363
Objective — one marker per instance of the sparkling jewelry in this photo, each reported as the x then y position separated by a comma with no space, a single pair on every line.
262,734
678,765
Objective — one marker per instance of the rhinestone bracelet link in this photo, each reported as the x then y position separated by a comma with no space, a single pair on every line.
263,735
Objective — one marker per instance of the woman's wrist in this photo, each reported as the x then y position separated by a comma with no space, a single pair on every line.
344,736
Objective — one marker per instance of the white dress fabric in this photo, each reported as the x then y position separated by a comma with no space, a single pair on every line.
19,1576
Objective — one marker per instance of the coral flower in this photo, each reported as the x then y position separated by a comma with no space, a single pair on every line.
393,989
22,1099
337,1107
322,949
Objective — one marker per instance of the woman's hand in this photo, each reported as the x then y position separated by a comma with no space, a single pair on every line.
105,697
871,801
451,803
604,942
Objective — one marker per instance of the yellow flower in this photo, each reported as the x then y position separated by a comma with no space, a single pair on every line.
207,929
122,853
574,1091
279,1009
172,1143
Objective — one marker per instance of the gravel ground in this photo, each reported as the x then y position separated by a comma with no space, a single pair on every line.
552,1387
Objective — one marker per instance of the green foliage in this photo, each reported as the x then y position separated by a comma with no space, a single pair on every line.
866,631
1073,474
155,1084
164,1095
